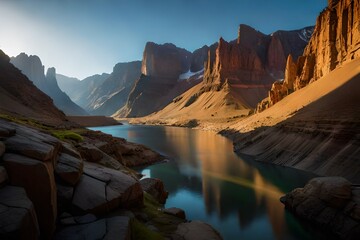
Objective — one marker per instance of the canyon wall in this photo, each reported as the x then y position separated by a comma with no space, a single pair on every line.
335,41
160,82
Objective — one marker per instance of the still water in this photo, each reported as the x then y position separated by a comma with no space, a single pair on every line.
237,196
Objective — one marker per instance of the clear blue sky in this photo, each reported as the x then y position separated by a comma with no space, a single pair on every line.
84,37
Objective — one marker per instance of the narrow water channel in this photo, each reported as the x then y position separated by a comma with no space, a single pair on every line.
237,196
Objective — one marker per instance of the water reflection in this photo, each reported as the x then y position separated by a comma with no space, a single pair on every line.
237,196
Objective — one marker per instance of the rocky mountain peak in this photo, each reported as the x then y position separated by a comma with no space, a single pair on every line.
165,60
51,73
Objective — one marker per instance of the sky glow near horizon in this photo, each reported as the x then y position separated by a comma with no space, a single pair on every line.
82,38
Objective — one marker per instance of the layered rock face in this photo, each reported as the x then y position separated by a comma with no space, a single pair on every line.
253,61
80,90
336,40
106,93
159,82
112,94
246,67
20,96
32,67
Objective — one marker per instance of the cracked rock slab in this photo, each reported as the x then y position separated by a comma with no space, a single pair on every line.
17,215
102,189
116,228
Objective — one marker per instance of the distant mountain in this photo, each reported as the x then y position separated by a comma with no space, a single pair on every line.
32,67
19,96
166,72
103,94
80,91
238,74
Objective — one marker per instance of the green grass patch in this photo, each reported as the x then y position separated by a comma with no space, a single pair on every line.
140,231
67,135
25,121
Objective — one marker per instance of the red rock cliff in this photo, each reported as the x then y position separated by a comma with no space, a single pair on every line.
336,40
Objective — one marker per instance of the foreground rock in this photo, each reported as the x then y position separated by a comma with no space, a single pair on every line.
17,215
38,180
196,230
331,203
155,187
101,190
116,228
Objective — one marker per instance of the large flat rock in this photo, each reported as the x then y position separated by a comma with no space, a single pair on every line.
17,215
30,148
102,189
37,178
116,228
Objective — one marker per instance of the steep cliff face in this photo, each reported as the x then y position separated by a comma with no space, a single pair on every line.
335,41
113,93
159,83
80,90
21,97
32,67
250,64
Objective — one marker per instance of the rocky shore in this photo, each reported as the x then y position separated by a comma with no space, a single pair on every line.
79,186
330,203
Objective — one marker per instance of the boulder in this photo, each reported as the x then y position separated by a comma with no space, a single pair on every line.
116,228
196,230
3,175
329,202
177,212
70,220
102,189
2,148
38,180
155,187
17,215
69,168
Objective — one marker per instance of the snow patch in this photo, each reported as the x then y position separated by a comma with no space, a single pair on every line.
306,34
189,74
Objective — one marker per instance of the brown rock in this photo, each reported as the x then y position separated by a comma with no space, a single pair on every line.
17,215
335,41
155,187
177,212
38,180
2,148
69,168
196,230
328,202
101,190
